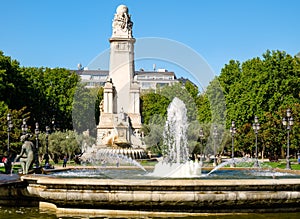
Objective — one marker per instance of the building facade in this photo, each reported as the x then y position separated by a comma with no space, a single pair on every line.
148,80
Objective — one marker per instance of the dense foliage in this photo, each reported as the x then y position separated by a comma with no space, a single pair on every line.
86,103
265,87
39,95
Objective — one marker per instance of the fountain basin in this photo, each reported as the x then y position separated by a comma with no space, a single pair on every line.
166,195
132,172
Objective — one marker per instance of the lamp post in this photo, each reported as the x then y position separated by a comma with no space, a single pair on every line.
47,145
232,131
215,134
37,132
24,127
288,122
53,124
9,127
256,127
201,135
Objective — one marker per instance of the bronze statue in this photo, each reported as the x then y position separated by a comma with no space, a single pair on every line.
27,155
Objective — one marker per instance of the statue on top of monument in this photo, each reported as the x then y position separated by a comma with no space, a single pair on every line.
122,24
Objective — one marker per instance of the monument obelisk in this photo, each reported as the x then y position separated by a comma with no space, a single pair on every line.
120,117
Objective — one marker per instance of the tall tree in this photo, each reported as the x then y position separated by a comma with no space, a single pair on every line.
85,114
261,87
152,104
49,95
9,75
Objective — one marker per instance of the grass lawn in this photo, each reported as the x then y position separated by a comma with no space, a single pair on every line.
15,169
282,164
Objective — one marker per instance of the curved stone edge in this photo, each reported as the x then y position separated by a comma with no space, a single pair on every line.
44,179
71,212
192,196
51,208
16,194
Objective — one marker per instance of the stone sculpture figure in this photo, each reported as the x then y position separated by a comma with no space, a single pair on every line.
27,155
122,116
122,24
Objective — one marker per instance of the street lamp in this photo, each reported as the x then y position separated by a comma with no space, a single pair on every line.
215,134
37,132
47,145
24,127
201,135
256,127
232,131
288,122
9,127
53,124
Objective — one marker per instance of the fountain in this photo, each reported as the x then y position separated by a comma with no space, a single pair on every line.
130,192
175,163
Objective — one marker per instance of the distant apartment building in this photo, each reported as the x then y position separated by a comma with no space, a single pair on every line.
148,80
93,78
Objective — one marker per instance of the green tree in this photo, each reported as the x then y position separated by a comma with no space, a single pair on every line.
204,109
154,133
217,102
49,93
179,91
98,102
85,114
153,104
62,143
261,87
192,89
17,117
9,75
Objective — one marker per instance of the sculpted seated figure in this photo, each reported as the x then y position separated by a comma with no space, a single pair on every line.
27,155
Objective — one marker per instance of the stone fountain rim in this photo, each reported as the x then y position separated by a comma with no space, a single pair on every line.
44,179
159,195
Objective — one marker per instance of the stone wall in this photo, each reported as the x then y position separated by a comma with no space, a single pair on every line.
170,195
16,194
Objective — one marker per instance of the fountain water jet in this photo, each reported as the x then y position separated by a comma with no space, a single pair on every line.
175,163
103,156
230,161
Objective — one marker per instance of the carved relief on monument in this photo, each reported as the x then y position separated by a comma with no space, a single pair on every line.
122,24
122,46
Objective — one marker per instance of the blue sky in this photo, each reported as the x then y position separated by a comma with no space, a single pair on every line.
62,33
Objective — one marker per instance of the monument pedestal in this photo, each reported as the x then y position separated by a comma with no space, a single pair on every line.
120,119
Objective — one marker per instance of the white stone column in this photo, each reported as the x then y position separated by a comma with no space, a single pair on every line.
134,99
121,70
108,97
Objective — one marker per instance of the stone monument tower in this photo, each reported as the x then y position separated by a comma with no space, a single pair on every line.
120,119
